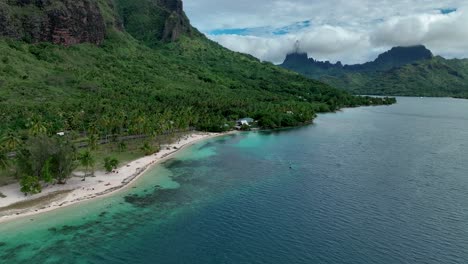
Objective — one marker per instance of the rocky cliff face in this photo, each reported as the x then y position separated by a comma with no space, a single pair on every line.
295,59
152,21
65,22
301,60
69,22
176,23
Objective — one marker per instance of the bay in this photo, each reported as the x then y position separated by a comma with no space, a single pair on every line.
385,184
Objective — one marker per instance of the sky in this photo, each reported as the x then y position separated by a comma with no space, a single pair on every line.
350,31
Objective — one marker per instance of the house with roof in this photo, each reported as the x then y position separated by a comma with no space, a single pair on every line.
247,121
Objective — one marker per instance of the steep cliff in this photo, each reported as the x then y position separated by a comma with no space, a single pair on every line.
65,22
176,23
70,22
152,21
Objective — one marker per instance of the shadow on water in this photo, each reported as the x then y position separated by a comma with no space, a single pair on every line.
12,253
215,142
159,199
281,131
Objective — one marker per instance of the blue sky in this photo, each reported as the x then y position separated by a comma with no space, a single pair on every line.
351,31
261,31
446,11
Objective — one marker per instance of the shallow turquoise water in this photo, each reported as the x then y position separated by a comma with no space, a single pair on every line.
366,185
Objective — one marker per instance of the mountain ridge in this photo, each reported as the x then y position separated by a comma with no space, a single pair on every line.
408,71
395,57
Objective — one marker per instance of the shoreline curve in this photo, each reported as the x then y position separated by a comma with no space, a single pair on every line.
81,193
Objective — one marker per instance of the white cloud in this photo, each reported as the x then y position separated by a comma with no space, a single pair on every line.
348,30
268,49
324,43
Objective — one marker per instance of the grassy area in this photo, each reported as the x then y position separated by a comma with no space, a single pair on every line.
132,151
6,177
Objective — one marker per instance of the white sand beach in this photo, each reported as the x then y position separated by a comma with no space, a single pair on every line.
16,204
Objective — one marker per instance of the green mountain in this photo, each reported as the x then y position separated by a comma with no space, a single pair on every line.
126,66
393,58
436,77
409,71
396,57
128,74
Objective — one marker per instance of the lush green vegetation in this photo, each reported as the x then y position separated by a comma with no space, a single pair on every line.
410,71
436,77
110,164
124,87
134,85
43,159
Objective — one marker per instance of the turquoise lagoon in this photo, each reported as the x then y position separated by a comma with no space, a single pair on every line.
365,185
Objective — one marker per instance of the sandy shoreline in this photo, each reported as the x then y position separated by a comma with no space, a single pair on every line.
15,205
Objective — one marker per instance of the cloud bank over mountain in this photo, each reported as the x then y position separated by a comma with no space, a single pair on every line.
352,31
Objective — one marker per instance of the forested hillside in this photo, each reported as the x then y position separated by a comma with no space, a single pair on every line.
406,71
436,77
99,69
136,72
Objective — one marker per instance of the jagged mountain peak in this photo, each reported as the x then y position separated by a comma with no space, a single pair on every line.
395,57
403,55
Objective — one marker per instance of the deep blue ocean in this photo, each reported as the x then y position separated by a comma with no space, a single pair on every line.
385,184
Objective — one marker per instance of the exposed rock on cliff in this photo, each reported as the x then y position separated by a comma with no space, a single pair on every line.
65,22
70,22
177,22
152,21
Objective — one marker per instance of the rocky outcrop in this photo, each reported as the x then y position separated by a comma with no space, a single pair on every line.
69,22
399,56
177,22
176,25
65,22
153,21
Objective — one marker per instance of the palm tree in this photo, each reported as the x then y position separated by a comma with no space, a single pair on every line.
4,160
10,141
140,124
105,124
117,124
37,128
87,161
92,128
78,120
93,141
